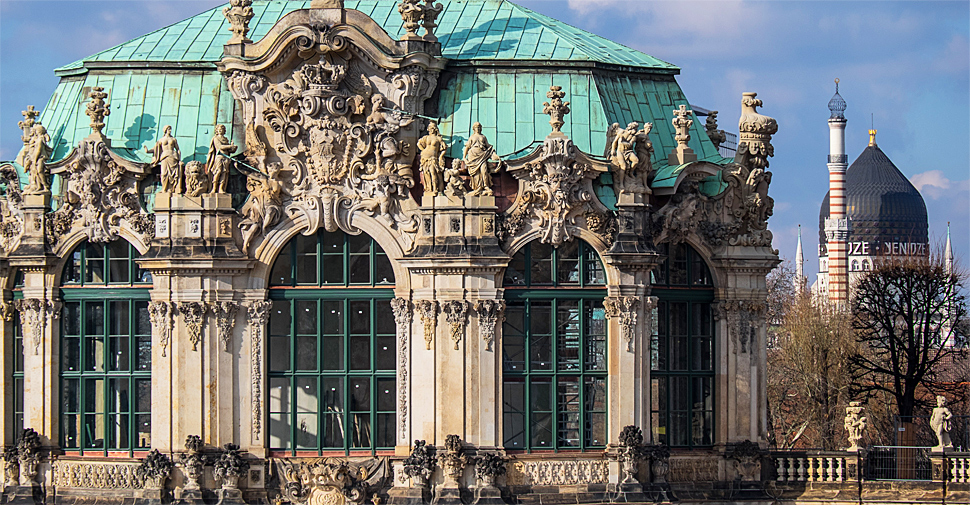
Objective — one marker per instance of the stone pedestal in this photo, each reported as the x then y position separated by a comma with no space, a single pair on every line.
152,496
33,494
229,496
488,494
408,496
189,497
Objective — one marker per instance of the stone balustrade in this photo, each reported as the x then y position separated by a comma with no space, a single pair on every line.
795,467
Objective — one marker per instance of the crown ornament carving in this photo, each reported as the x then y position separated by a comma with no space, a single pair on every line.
323,76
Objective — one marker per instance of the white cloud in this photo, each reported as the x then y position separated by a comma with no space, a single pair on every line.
936,185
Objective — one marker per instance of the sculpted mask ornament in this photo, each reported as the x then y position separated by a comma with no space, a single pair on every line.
35,316
193,314
225,313
630,152
196,180
555,184
239,13
432,147
167,157
480,162
218,162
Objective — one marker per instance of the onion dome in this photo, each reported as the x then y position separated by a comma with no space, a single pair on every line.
837,104
881,204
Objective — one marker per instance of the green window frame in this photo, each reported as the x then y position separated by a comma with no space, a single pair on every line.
332,347
17,374
683,350
106,341
554,349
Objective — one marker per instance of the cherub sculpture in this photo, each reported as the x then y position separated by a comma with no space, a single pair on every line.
218,162
432,147
264,207
166,156
630,151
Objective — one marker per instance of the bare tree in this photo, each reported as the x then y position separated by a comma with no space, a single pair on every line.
905,312
808,379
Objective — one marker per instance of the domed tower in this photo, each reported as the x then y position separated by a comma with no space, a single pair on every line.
883,215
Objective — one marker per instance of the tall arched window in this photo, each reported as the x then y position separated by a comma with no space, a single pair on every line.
682,350
331,346
554,349
106,392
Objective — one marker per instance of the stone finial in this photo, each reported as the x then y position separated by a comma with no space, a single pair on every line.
430,16
682,123
556,108
710,126
412,13
239,13
855,424
754,134
98,109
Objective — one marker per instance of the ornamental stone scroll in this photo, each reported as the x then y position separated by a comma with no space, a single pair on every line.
625,309
402,318
225,313
490,314
193,314
35,313
258,313
455,312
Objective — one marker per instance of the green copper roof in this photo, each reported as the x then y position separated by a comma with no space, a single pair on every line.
468,30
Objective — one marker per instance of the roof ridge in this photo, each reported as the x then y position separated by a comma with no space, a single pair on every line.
551,23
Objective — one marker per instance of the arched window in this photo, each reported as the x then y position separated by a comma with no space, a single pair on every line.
331,346
554,349
855,265
865,265
682,350
106,392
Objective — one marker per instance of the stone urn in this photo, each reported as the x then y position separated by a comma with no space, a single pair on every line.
230,482
11,472
193,472
659,469
28,470
419,480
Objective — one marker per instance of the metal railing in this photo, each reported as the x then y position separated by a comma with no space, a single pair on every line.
838,158
898,463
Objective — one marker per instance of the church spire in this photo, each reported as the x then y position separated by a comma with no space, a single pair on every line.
948,252
800,261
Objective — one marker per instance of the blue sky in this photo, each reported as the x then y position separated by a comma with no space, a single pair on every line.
904,64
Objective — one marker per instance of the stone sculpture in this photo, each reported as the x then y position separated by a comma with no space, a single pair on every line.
193,462
941,422
421,463
239,13
476,156
630,152
166,156
710,126
98,109
754,133
454,182
264,207
429,16
412,13
217,163
30,116
196,180
855,424
432,147
35,161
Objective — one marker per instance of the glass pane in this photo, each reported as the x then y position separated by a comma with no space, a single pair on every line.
143,360
358,244
120,271
94,354
333,352
94,264
70,395
279,318
595,276
118,431
94,429
540,341
118,356
143,402
118,319
279,431
307,405
360,269
513,339
702,357
384,318
69,431
513,394
359,394
384,351
306,259
383,272
94,395
384,431
515,272
701,320
541,394
385,395
679,411
306,317
567,334
333,318
596,429
282,273
71,357
678,264
360,317
360,352
333,422
306,352
306,431
118,400
279,394
143,430
279,354
360,430
541,267
568,267
94,319
333,269
333,243
701,422
569,411
71,318
595,336
72,269
143,323
542,430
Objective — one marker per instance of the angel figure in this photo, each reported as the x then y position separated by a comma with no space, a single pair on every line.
476,157
35,161
432,147
629,153
264,207
217,163
166,156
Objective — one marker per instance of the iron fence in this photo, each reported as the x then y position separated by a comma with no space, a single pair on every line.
898,463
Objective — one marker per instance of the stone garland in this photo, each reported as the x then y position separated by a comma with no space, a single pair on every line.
490,314
258,313
193,314
160,314
742,317
428,309
92,475
455,311
625,309
558,473
35,313
402,318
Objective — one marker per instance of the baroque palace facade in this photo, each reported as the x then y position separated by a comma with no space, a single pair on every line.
386,251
